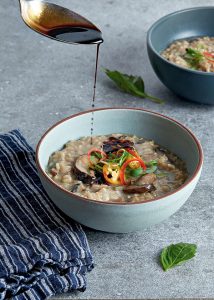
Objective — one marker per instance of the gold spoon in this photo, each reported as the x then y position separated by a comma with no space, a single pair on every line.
59,23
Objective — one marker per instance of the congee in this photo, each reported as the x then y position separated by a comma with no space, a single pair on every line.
197,54
116,168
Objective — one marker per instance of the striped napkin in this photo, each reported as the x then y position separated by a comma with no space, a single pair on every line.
42,253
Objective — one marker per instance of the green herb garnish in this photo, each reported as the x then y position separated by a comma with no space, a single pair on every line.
177,254
193,57
133,85
135,172
96,154
119,160
98,168
151,168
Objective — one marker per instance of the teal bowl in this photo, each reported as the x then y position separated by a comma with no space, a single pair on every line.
121,217
193,85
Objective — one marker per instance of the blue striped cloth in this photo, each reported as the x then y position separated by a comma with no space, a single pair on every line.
42,253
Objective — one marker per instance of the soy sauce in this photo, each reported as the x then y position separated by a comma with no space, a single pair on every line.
77,35
60,23
94,94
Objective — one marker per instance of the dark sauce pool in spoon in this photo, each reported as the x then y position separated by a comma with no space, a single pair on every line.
59,23
79,35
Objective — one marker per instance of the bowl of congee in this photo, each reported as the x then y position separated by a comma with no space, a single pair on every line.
135,170
181,51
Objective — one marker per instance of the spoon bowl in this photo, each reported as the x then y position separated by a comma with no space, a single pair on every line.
59,23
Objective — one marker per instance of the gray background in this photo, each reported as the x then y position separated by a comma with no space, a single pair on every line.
42,81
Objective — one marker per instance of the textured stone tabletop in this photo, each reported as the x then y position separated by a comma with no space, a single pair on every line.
42,81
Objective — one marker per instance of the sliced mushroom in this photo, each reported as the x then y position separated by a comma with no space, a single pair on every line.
81,170
114,144
141,141
146,179
165,166
162,150
83,173
137,189
171,157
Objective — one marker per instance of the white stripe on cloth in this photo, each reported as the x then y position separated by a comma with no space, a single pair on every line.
37,220
19,250
30,160
42,253
27,181
18,222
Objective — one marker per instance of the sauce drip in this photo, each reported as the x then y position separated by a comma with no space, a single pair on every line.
94,94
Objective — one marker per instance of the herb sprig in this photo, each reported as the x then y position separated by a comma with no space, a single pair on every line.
177,254
193,57
119,160
130,84
151,168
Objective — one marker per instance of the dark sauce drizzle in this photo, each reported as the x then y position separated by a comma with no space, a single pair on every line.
94,94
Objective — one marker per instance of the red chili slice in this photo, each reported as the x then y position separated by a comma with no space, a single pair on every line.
96,150
124,166
208,56
135,154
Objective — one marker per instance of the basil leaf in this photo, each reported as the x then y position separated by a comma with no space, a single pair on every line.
151,169
130,84
136,172
177,254
152,166
152,163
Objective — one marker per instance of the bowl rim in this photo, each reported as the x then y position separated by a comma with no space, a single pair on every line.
197,170
162,19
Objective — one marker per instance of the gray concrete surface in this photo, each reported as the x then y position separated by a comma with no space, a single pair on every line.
42,81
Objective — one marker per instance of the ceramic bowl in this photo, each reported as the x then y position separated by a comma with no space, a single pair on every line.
193,85
121,217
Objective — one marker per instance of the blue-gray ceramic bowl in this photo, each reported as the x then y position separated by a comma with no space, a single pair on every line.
193,85
121,217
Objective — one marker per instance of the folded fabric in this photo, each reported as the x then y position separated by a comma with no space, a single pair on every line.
42,252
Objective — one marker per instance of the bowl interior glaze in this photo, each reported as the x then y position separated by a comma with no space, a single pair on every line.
149,125
184,24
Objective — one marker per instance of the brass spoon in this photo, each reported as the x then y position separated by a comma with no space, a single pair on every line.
59,23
